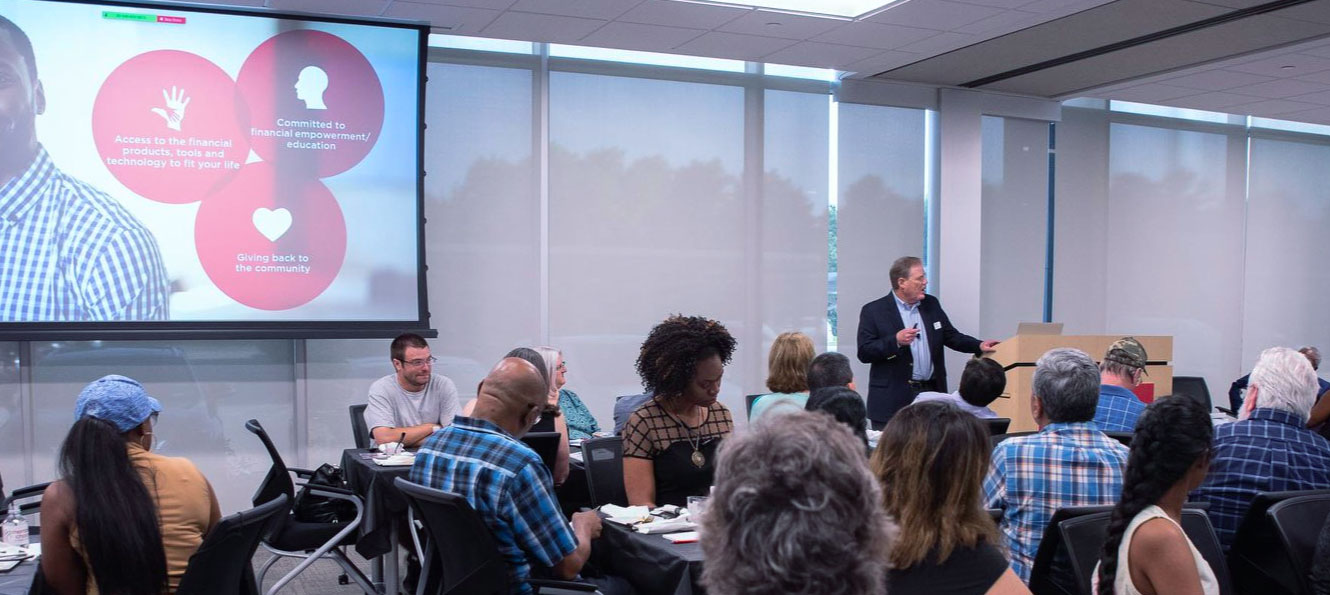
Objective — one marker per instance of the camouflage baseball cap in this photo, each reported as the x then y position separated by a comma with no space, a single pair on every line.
1128,352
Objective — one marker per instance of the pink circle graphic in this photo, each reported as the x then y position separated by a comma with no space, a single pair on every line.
315,102
271,241
165,125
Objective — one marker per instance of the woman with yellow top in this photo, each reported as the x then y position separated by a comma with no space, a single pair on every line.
121,519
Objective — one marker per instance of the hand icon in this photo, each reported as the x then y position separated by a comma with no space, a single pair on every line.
174,113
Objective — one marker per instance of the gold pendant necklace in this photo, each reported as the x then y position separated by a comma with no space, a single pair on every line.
699,460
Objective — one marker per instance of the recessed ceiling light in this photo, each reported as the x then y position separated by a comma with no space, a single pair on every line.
840,9
1286,67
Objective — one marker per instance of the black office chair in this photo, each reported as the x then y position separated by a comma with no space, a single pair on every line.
997,425
359,429
603,459
292,538
1051,573
546,444
748,403
1258,557
1084,536
221,565
461,548
995,439
1123,437
624,406
1194,387
1298,523
29,500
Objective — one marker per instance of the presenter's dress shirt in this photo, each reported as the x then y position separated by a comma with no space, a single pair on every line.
69,252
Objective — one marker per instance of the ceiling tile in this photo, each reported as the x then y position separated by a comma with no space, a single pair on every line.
226,2
1062,7
1320,115
1280,88
1232,3
997,3
1316,12
587,9
1001,23
682,14
733,46
1276,66
1317,77
1275,107
1319,98
1149,93
1214,101
777,24
873,35
882,62
941,43
649,38
821,55
490,4
933,14
455,19
1217,80
343,7
541,27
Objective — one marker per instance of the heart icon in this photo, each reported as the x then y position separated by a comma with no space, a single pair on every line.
271,223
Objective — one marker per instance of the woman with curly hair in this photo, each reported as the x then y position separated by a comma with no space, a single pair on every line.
931,461
669,443
787,375
1146,551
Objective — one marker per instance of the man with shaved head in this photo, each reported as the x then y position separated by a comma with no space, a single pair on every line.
482,459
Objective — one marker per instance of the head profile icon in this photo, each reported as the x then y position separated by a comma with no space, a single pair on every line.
310,85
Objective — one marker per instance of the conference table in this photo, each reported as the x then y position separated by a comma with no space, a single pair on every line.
17,580
653,564
377,535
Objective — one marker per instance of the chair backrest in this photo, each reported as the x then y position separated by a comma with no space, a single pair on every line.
1084,537
603,458
748,404
1256,557
995,439
1123,437
29,498
459,542
1196,524
997,425
1044,576
624,406
1298,522
278,481
221,565
359,429
1194,387
546,444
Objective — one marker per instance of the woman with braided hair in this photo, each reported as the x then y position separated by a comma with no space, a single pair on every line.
1146,551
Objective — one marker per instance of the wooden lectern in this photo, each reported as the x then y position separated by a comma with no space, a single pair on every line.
1019,354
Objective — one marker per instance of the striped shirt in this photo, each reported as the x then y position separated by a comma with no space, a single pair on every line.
506,482
1065,464
1118,409
70,252
1270,451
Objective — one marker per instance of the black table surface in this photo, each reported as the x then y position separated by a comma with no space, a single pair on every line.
383,503
653,564
17,580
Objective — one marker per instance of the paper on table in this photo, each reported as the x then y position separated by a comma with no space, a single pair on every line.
397,460
625,515
685,537
664,526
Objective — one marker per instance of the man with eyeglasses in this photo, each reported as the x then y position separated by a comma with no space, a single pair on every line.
413,402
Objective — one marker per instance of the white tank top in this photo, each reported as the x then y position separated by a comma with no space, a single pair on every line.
1122,584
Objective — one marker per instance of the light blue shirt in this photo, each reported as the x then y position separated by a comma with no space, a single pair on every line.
923,358
777,401
955,399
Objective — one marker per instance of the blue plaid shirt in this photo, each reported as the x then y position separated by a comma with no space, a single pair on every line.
1065,464
1270,451
506,482
1118,409
70,252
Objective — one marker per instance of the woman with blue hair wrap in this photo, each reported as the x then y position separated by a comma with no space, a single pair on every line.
121,519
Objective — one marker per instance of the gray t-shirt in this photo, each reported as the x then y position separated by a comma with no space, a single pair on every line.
391,406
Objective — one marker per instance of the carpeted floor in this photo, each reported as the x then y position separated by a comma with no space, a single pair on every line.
319,579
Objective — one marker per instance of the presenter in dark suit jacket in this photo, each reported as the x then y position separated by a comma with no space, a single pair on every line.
901,336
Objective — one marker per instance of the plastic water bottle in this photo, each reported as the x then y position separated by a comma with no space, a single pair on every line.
15,527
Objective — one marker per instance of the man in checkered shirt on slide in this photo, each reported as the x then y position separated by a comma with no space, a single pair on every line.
1068,463
1270,449
67,250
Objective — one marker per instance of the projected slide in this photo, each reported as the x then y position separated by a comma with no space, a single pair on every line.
165,164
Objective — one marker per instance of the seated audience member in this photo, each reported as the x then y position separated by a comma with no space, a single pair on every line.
546,423
551,361
845,405
787,375
669,443
982,382
121,519
412,402
1146,551
931,461
1068,463
581,424
483,459
830,369
1270,449
1120,373
1313,355
795,510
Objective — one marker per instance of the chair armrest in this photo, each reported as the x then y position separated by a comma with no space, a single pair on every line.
301,473
331,492
551,586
